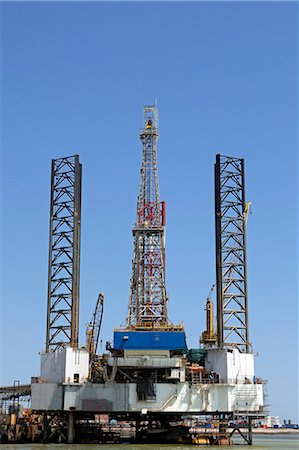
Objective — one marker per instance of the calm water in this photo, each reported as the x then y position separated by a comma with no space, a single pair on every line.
259,443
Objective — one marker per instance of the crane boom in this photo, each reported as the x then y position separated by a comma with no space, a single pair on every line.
94,327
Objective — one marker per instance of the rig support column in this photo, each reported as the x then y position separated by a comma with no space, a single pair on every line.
249,431
45,428
64,253
230,220
71,426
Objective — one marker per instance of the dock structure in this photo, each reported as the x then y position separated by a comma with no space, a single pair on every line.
149,386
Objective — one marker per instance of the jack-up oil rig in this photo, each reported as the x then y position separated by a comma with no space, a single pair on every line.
149,377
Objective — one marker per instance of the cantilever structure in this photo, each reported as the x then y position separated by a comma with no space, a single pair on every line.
230,219
64,253
148,299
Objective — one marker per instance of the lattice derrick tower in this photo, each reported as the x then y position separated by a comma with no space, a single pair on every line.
230,215
148,299
64,253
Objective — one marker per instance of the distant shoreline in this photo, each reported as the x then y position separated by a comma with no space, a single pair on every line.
275,431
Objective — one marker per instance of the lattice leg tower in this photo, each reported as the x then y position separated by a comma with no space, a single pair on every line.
64,253
230,215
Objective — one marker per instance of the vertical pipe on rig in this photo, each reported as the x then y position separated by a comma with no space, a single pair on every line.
163,221
76,252
218,253
244,256
163,213
48,335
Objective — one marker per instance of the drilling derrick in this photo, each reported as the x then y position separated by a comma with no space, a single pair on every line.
148,299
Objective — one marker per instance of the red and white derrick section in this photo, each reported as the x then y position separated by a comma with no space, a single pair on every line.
148,299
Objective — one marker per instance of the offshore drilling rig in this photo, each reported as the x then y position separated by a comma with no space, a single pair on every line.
148,374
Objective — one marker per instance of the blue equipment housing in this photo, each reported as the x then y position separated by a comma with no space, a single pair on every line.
150,340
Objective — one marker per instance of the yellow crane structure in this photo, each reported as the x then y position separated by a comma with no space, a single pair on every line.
247,211
94,327
209,336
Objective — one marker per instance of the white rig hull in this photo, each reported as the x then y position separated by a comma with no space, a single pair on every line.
179,397
64,384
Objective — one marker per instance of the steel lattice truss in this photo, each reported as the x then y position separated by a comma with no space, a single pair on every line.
64,253
148,300
232,311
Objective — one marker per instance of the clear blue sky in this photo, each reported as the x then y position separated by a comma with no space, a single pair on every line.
75,77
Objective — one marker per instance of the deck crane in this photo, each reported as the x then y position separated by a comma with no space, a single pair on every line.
209,336
94,327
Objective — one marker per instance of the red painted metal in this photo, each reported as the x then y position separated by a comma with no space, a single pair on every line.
163,212
148,299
